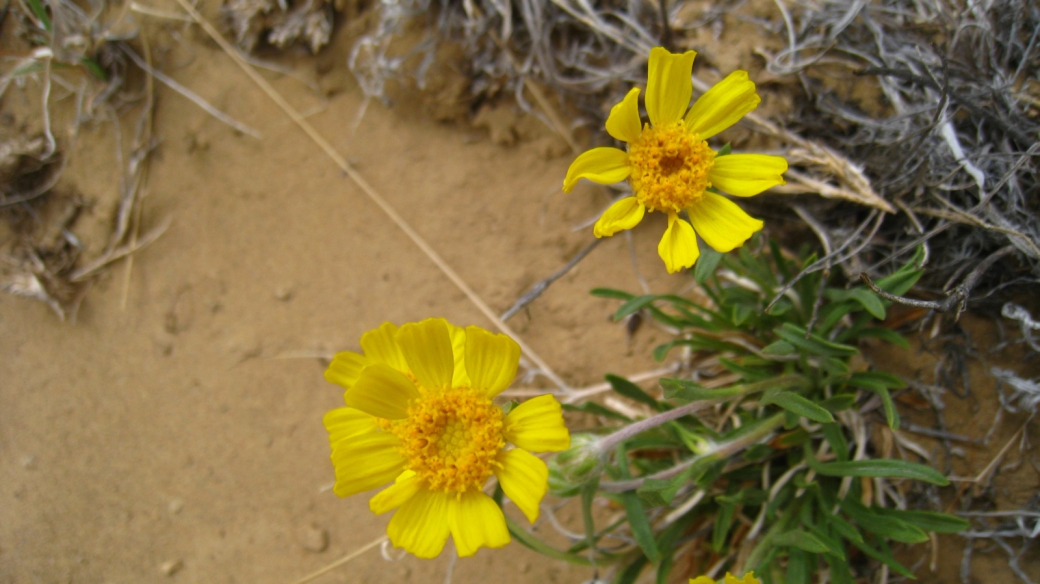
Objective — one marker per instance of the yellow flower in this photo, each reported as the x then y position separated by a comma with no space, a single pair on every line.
748,578
670,166
419,414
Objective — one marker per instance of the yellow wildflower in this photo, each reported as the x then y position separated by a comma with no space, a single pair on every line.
419,414
671,167
748,578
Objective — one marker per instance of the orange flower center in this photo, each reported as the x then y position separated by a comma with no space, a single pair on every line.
669,167
450,438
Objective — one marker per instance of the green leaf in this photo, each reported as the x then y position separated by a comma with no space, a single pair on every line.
778,348
94,68
813,345
802,540
866,298
658,492
528,540
631,391
888,335
882,467
883,525
834,547
758,452
797,404
691,391
631,572
722,524
891,415
928,520
838,403
846,529
875,380
797,567
592,408
640,525
885,558
706,264
724,150
834,366
902,280
41,13
611,293
836,438
749,374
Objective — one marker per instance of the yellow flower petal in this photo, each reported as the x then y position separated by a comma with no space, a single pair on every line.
491,360
721,223
346,423
427,349
458,348
366,462
723,105
746,175
420,526
624,214
380,347
668,85
537,425
623,122
748,578
701,580
345,368
678,247
382,391
524,479
405,487
600,165
476,521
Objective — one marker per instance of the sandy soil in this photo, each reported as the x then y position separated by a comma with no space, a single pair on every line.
182,432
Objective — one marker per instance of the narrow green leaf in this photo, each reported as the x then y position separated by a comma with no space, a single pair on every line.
902,280
891,415
838,403
640,525
746,373
631,572
802,540
813,345
875,380
41,13
94,68
846,529
836,438
885,558
779,348
611,293
797,567
882,467
929,520
658,492
722,524
595,409
834,547
888,335
631,391
706,264
541,547
866,298
883,525
799,405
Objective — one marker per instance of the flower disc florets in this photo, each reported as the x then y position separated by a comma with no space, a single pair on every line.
450,438
670,167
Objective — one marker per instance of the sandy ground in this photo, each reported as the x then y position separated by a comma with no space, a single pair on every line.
183,429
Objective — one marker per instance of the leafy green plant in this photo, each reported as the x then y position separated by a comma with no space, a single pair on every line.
770,469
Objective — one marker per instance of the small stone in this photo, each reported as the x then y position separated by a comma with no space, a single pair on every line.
314,539
284,293
171,567
175,506
29,462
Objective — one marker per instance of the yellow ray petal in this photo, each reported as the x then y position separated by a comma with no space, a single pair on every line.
668,85
524,479
746,175
346,423
600,165
701,580
723,105
366,462
427,348
420,526
623,122
380,347
458,348
405,486
623,214
748,578
537,425
345,368
678,248
491,360
721,223
476,521
382,391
